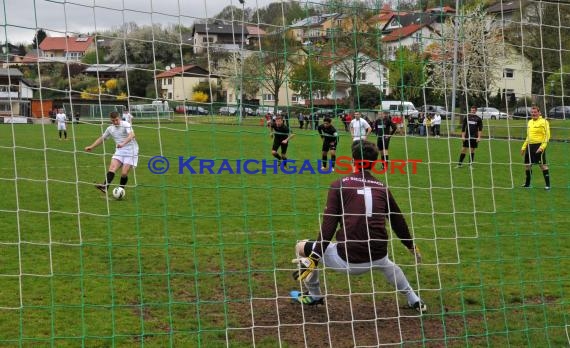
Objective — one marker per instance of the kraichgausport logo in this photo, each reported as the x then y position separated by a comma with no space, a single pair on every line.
342,165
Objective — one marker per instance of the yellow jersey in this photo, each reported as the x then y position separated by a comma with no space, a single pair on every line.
537,132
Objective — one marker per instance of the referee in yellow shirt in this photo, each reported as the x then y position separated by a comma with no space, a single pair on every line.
534,147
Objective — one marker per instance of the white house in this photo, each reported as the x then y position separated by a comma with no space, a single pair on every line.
413,36
513,75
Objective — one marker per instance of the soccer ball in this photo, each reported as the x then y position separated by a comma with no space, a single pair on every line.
118,192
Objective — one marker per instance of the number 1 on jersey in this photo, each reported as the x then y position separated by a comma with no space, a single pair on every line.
367,192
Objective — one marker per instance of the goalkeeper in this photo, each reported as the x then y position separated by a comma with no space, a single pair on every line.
358,203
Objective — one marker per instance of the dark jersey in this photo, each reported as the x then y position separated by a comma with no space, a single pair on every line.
359,204
329,133
384,126
280,133
472,124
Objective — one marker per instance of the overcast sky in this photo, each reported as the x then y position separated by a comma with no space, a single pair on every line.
21,18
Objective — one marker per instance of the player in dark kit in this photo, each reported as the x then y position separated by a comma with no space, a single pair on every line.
358,205
471,131
384,128
281,135
330,140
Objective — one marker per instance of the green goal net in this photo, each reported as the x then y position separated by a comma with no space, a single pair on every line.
198,252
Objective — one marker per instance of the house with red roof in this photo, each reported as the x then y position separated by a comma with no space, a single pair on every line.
65,48
177,83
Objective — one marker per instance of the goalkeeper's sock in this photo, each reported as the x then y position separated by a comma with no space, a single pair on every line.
333,159
324,160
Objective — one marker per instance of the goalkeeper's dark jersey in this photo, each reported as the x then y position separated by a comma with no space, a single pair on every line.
384,126
280,133
360,204
472,124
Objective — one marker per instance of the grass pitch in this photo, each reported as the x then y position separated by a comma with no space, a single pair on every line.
170,263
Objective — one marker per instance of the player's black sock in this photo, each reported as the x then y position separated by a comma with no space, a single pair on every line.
546,177
324,160
472,157
110,177
65,134
276,155
60,134
385,158
333,159
123,181
284,161
461,158
528,173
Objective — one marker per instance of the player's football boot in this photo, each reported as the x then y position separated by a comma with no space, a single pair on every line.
419,306
101,187
305,298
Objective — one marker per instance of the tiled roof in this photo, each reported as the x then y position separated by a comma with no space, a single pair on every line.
402,33
187,70
504,6
67,44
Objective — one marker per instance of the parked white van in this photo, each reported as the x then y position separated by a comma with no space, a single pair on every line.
404,108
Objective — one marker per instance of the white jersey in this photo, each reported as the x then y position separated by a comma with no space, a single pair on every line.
358,127
127,117
61,119
119,134
436,120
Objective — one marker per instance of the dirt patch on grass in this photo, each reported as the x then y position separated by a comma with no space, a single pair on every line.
344,321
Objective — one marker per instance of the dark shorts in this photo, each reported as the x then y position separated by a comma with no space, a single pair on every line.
470,143
276,146
329,144
383,143
531,157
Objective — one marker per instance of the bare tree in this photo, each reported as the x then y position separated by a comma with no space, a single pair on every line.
352,50
480,51
277,56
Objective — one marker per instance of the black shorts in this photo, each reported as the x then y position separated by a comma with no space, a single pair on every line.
383,143
276,146
329,144
470,143
531,157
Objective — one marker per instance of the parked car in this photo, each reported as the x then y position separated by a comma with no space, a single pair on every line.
397,107
490,113
228,110
264,110
435,109
522,112
559,112
191,110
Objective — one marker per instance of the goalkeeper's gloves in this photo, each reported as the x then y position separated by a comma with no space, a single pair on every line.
306,266
416,252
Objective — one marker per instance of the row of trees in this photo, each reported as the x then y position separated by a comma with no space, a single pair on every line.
414,75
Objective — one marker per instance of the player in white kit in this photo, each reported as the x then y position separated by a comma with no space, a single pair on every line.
126,154
61,119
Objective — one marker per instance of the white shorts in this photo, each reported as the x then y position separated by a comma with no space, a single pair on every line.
130,159
332,260
61,126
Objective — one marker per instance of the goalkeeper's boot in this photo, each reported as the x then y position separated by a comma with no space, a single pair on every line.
305,298
419,306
